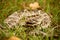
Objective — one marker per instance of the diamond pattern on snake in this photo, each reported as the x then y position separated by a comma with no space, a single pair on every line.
32,18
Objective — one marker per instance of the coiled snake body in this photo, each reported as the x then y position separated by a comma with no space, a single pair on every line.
36,17
32,18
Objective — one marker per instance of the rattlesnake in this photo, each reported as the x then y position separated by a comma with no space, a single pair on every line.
35,17
31,18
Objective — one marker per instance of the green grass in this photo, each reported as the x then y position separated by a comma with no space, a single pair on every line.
52,7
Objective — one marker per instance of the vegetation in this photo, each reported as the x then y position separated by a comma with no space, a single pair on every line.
52,7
